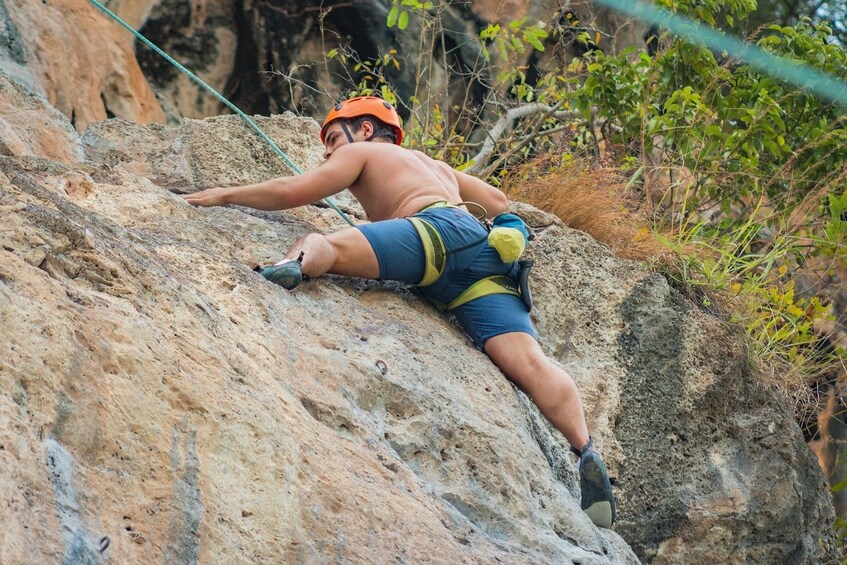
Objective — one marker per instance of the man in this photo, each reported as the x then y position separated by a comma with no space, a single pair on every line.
422,234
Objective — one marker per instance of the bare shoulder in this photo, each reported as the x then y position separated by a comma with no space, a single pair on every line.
369,150
351,150
430,161
350,155
423,156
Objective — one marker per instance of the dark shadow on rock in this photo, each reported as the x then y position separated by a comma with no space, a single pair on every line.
650,348
711,471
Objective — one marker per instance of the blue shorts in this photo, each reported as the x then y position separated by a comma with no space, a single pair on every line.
400,254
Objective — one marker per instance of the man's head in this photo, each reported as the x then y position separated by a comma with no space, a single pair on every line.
353,114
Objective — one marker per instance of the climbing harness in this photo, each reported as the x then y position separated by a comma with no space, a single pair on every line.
217,95
495,284
443,204
434,251
523,282
435,255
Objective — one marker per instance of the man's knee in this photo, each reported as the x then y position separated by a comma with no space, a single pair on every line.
520,359
538,371
530,369
312,239
352,254
516,349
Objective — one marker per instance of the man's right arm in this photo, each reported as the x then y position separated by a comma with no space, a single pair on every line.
336,174
472,189
267,195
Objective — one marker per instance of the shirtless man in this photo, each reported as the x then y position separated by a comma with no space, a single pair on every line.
413,204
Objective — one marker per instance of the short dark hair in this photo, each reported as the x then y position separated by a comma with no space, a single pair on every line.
381,129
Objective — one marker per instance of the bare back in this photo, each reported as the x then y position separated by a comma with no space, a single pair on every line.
397,182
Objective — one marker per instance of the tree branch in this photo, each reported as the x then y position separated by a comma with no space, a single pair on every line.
506,123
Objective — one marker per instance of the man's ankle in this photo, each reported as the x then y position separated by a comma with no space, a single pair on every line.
587,445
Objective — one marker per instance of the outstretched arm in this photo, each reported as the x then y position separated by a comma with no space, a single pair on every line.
472,189
283,193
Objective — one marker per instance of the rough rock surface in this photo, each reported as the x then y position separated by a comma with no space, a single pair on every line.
708,471
30,127
153,389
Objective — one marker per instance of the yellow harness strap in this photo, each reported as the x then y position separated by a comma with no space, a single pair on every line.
495,284
434,251
439,204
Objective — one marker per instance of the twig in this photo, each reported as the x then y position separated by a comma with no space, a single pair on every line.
506,123
527,139
291,79
321,9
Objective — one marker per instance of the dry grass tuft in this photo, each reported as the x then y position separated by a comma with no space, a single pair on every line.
594,201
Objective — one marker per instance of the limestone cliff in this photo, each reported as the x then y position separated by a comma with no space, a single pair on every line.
155,391
78,59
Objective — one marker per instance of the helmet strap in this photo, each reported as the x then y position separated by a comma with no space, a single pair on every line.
346,132
350,137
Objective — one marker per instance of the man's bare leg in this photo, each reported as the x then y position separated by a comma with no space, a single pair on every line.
523,362
345,252
521,359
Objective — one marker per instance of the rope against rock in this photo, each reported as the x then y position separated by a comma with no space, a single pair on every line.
220,97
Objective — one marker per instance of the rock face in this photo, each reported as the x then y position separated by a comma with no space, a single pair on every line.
30,127
83,63
707,469
156,392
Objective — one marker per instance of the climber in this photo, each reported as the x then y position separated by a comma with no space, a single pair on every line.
422,232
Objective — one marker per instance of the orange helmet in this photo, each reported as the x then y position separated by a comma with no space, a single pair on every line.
365,106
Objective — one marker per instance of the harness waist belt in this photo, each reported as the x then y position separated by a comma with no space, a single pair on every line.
439,204
445,204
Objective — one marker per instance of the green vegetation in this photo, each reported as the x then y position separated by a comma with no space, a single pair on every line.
756,179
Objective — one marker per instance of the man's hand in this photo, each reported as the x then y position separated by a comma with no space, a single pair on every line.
208,197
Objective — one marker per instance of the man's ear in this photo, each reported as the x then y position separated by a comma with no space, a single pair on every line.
367,129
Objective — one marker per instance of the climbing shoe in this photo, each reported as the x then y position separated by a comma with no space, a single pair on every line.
597,498
288,273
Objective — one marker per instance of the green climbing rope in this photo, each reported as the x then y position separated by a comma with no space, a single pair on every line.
217,95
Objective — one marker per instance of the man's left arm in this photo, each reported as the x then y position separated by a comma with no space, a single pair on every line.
472,189
283,193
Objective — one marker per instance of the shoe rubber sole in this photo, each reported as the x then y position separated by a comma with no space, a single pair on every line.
601,514
597,498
